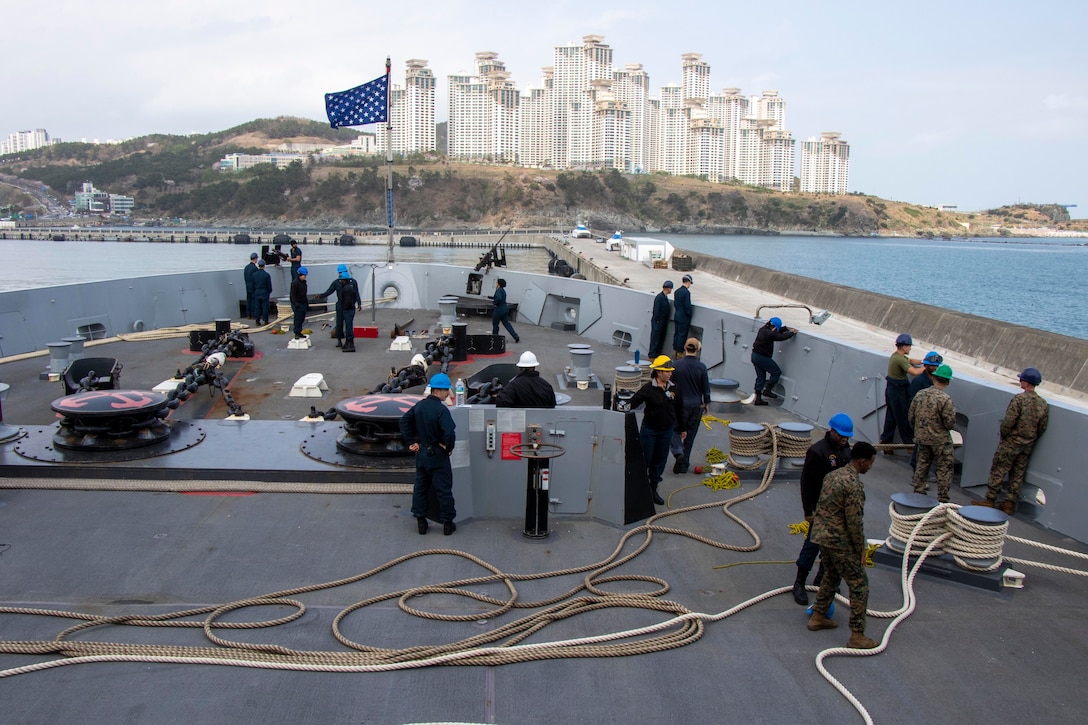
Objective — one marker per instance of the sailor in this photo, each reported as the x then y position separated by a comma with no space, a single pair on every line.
294,256
682,312
932,415
346,290
659,319
838,528
662,411
502,311
767,370
920,382
527,389
1025,420
430,433
262,291
300,301
247,274
822,457
897,391
693,387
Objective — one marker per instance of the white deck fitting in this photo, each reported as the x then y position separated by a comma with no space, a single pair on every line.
402,343
302,343
167,385
310,385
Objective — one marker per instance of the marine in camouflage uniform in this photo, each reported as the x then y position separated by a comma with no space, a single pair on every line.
838,527
932,415
1025,420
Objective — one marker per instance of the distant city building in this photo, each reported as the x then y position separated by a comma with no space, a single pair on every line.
24,141
484,113
587,115
241,162
365,144
411,113
93,201
534,125
825,164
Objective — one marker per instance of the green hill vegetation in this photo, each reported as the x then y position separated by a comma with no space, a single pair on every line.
177,177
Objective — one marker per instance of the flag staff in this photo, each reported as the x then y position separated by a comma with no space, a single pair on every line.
389,156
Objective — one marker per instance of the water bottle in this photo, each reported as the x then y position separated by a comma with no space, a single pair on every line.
459,392
636,358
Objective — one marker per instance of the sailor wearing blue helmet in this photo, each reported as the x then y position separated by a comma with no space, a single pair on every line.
767,370
822,457
300,301
920,382
429,431
347,302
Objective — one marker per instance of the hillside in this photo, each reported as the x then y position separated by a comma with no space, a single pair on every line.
176,177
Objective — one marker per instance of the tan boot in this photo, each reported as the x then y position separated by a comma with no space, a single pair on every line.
1008,507
858,640
818,621
987,502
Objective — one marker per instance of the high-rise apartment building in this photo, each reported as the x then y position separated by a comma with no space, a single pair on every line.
610,133
672,131
483,121
729,109
631,87
587,115
825,164
575,67
411,112
24,141
534,124
770,106
696,76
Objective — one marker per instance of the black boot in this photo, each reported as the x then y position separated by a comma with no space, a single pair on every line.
759,399
339,342
800,595
769,394
657,497
349,346
679,466
421,524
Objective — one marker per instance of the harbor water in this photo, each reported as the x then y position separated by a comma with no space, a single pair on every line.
1032,282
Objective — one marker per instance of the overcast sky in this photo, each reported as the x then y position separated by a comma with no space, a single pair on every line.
966,102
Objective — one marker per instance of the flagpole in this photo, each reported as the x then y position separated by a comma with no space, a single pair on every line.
389,154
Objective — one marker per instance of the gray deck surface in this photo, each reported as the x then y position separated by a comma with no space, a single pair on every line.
967,655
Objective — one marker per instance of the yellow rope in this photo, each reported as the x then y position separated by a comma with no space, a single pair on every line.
722,481
708,419
801,528
715,455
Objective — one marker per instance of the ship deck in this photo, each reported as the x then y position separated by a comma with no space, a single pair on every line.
965,655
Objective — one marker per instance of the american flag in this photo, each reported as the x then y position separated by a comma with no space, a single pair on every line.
360,105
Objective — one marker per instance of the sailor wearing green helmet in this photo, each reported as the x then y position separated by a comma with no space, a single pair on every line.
933,416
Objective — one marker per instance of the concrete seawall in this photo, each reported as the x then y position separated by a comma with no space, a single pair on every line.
1063,359
586,267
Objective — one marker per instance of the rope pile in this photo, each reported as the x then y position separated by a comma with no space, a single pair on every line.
791,445
947,531
753,446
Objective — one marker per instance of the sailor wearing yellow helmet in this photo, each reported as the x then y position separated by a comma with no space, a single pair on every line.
663,409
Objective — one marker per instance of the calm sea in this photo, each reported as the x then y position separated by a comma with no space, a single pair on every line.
1034,282
1029,282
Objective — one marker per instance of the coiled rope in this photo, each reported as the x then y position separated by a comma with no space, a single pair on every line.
771,441
500,646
